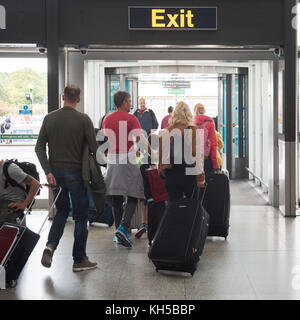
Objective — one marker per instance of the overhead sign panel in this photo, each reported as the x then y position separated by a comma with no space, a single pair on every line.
172,18
176,84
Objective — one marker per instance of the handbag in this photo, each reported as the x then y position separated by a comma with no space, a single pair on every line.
157,185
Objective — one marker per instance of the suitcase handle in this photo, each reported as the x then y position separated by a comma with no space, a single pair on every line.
41,186
53,203
198,193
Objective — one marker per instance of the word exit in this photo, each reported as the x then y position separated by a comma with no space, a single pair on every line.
159,16
172,18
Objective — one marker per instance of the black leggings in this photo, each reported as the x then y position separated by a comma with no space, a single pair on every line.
178,184
123,212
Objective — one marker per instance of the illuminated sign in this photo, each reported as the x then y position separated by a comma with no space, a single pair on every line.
172,18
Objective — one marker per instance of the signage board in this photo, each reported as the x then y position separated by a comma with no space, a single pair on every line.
19,136
177,91
25,110
172,18
176,84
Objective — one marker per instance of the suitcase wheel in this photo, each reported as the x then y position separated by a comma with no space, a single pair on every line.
156,269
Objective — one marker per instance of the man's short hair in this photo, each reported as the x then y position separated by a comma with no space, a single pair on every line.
170,109
71,93
119,97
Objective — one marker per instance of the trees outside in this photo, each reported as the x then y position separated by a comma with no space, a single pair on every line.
14,87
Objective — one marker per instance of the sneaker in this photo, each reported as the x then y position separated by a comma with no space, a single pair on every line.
47,256
123,235
141,231
84,265
117,240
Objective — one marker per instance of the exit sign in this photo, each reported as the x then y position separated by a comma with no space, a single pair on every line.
172,18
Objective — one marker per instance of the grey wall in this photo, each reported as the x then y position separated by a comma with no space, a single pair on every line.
106,22
252,22
25,21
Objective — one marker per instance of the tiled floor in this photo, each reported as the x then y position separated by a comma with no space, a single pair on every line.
259,260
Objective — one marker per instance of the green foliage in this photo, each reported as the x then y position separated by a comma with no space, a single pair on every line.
14,86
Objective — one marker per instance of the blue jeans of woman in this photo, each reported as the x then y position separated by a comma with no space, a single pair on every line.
71,182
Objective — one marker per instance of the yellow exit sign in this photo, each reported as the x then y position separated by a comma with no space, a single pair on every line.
182,19
172,18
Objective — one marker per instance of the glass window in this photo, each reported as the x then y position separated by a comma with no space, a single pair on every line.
23,106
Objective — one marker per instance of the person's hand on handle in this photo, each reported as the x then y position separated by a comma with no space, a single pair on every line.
51,179
17,205
201,183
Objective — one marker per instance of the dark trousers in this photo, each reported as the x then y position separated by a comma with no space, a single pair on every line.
71,181
123,212
178,184
208,167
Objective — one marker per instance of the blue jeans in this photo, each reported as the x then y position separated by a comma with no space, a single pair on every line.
70,181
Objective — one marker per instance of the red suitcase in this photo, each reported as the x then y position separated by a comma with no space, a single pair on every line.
16,244
8,237
157,185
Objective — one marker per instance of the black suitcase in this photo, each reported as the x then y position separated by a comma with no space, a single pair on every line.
180,238
105,217
20,252
154,217
217,203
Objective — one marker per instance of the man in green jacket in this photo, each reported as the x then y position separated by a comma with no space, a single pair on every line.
66,132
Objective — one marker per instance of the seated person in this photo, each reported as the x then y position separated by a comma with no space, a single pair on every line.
14,200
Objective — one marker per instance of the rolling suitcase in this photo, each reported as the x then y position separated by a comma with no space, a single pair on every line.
16,243
106,216
155,214
217,203
180,238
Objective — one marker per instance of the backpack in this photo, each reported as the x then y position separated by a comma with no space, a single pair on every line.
207,144
27,167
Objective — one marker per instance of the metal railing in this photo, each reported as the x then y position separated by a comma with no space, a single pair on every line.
258,178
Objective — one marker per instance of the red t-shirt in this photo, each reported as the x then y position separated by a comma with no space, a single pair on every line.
165,121
118,128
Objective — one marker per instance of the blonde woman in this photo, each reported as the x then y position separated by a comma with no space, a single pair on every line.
182,164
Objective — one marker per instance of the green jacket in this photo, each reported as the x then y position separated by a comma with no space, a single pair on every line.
93,179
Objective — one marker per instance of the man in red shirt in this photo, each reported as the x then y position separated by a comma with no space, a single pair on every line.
165,120
123,177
